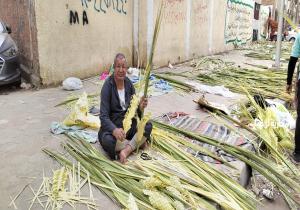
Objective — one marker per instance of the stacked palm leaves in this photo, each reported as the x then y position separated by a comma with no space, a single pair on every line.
269,84
177,180
267,135
72,99
257,45
152,183
271,141
275,140
209,63
266,167
180,85
266,50
110,177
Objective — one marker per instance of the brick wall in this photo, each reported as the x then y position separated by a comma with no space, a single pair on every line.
20,16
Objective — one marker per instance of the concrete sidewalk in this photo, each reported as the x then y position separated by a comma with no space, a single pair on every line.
25,120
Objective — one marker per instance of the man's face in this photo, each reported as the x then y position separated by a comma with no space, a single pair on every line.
120,69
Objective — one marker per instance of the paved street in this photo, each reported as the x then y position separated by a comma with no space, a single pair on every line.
25,119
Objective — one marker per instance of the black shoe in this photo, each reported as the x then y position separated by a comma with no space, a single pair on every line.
296,158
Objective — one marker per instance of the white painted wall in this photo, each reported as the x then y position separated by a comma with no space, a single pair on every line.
81,50
190,28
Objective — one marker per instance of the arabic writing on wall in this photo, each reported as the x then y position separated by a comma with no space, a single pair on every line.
238,25
103,6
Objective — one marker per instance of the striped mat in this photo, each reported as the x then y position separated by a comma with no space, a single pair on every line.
219,132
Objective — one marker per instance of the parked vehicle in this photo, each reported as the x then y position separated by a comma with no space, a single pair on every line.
9,58
283,36
292,34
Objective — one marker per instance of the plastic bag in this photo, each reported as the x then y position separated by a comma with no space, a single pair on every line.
217,90
284,117
72,83
79,114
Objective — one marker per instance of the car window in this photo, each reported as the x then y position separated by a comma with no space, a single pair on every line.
1,28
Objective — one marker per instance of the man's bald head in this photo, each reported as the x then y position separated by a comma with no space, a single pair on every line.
120,67
119,56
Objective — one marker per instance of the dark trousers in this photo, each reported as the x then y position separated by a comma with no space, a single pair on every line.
291,69
297,131
108,141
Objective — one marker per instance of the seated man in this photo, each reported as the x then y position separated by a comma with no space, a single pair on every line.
116,94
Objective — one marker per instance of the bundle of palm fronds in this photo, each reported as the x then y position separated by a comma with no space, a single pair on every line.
72,99
259,56
270,84
266,50
265,122
272,171
175,179
258,45
271,138
271,142
209,63
262,54
178,84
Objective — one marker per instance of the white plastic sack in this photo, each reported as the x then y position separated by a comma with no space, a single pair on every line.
72,83
284,117
217,90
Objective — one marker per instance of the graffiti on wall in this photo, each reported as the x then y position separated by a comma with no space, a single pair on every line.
102,6
238,22
174,13
200,12
74,18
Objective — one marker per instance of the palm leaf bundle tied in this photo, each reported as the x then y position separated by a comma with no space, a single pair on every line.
59,181
131,112
141,127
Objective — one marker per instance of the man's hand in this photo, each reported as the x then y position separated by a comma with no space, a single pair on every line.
289,89
143,103
119,134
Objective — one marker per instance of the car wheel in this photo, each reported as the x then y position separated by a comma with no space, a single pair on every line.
17,84
292,39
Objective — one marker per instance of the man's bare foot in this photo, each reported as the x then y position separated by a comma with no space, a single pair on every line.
125,153
144,146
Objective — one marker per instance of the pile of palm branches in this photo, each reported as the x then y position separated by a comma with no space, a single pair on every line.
272,141
174,179
178,84
209,63
270,137
73,98
266,50
275,170
270,84
214,71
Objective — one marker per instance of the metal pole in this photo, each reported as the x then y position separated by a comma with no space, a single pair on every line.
279,33
297,13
